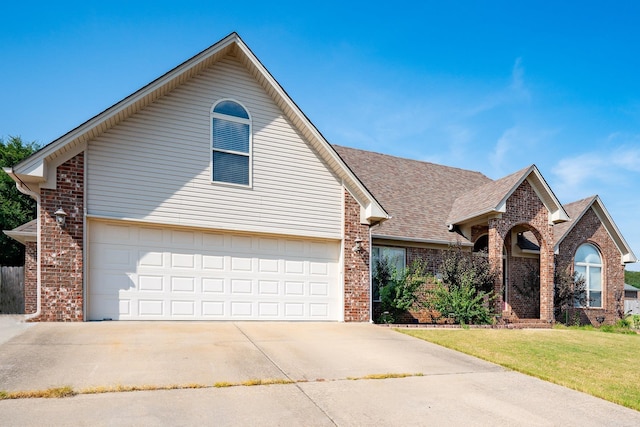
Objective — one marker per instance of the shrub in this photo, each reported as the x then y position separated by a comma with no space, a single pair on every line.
463,303
466,293
398,292
569,292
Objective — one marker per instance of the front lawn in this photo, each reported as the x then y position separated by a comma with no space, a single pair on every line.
602,364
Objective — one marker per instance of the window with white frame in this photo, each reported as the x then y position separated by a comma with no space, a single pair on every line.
386,261
230,143
588,264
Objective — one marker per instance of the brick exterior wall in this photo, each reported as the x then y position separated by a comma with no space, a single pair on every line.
523,293
61,259
31,277
526,210
590,229
432,258
357,284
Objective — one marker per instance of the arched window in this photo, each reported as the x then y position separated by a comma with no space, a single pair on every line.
588,264
230,143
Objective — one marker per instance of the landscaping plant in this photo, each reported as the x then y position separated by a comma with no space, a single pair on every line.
466,294
569,292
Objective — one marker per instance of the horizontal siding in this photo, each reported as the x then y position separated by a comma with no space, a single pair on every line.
155,166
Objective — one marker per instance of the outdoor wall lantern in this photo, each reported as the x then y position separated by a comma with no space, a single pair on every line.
61,217
358,245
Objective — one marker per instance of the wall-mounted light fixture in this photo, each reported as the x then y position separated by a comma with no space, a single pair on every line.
61,217
358,245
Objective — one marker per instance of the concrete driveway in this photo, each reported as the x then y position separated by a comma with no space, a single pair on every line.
321,359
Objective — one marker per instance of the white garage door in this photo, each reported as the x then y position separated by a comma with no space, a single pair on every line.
152,273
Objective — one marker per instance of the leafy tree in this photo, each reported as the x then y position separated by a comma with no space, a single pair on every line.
459,267
569,292
632,278
15,207
398,290
466,293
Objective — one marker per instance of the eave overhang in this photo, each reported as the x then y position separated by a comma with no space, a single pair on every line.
34,169
626,254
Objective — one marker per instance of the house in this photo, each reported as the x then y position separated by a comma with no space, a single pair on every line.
631,299
208,194
516,219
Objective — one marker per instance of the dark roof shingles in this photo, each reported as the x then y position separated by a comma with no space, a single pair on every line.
418,195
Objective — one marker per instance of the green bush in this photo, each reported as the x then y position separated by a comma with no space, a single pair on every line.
466,293
398,293
463,303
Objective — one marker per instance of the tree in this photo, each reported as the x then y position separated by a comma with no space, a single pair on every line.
466,293
569,292
15,207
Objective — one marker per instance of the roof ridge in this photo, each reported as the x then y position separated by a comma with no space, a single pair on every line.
424,162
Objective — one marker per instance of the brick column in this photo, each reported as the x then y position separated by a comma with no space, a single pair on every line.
61,260
30,277
357,285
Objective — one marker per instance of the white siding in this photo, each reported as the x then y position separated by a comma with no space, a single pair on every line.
155,166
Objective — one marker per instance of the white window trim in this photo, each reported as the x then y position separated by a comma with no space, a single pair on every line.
248,121
588,266
404,262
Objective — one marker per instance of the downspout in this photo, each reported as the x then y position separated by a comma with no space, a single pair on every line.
371,320
24,189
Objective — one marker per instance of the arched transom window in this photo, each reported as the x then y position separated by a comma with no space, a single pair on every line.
588,264
230,143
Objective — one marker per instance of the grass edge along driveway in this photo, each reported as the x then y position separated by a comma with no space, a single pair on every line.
602,364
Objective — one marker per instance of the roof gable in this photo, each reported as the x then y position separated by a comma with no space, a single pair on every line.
578,209
491,198
40,167
24,233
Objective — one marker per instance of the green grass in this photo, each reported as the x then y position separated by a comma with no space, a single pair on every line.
601,364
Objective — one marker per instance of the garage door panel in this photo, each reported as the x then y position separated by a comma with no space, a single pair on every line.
157,273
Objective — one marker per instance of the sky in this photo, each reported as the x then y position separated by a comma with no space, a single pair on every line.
491,86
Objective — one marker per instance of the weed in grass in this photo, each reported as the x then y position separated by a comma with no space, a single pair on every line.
50,393
385,376
223,384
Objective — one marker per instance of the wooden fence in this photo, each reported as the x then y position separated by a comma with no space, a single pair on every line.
11,290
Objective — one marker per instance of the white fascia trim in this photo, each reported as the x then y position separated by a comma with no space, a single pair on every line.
373,209
50,149
627,255
557,213
22,236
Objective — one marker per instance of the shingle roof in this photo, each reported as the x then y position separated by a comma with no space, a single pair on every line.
575,210
486,198
418,195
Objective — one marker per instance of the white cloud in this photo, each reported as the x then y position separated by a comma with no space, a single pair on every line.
518,86
611,169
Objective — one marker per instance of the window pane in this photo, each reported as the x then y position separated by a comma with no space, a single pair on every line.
231,108
588,253
230,136
385,262
595,283
233,168
595,299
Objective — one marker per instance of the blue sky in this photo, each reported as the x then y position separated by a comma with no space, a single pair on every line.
488,86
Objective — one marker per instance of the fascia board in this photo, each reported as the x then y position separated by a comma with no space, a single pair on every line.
612,229
21,236
30,165
556,210
373,210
